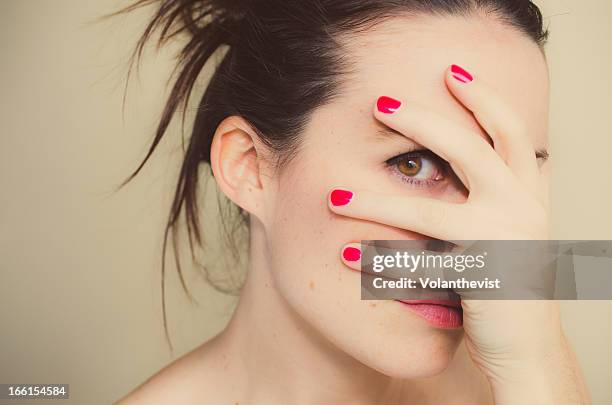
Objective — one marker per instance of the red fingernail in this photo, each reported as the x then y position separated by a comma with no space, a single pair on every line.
461,74
341,197
388,105
351,254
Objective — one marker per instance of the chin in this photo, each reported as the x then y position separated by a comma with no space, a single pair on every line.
420,357
430,365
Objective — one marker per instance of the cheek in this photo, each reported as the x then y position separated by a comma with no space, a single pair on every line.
303,235
307,238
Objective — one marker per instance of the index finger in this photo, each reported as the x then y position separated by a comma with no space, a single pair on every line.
505,127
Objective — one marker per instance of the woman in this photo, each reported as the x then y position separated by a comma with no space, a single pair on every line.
331,122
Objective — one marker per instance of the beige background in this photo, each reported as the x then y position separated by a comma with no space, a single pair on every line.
79,283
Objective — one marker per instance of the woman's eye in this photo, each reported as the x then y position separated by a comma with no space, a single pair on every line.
419,168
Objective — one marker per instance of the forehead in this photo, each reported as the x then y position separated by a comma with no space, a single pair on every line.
406,57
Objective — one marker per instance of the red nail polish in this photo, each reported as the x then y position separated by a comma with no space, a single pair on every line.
351,254
341,197
461,74
388,105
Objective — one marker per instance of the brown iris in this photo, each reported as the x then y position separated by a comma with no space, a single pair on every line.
410,166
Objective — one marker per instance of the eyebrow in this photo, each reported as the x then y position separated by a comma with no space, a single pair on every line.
383,132
388,133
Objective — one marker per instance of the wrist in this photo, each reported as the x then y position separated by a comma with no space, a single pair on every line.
527,382
541,376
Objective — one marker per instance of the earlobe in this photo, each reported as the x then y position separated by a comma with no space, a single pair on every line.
236,163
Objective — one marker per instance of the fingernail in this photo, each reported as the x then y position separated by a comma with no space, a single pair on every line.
341,197
461,74
388,105
351,254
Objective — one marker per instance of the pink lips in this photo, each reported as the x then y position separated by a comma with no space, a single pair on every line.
440,314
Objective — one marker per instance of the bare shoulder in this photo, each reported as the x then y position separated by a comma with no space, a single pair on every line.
182,382
172,384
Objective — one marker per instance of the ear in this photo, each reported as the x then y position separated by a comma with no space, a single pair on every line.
237,164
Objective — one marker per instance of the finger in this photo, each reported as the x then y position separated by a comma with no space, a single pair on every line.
500,122
351,256
462,148
427,216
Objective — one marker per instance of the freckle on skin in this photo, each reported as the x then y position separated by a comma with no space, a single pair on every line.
373,304
311,285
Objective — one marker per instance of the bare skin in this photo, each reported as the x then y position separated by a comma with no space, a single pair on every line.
300,334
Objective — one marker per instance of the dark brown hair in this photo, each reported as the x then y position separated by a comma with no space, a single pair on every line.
284,59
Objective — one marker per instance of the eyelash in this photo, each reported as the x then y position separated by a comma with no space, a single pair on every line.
441,167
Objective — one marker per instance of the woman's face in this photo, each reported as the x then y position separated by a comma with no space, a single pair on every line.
342,146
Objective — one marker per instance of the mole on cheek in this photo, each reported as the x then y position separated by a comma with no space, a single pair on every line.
311,285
